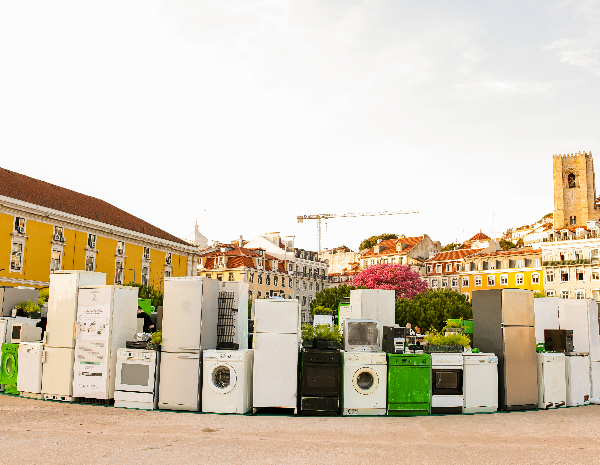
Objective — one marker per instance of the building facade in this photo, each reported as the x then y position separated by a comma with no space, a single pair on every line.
339,259
442,271
517,268
411,251
46,228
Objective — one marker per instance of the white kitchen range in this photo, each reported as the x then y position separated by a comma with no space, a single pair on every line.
59,340
29,375
136,385
227,381
189,326
447,383
106,320
480,382
552,384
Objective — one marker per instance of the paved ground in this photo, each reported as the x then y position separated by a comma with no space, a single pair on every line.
38,432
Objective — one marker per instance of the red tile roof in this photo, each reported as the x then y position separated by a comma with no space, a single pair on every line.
509,252
21,187
453,255
234,252
388,247
236,262
480,237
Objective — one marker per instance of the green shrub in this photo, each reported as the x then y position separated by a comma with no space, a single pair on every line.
323,331
157,337
435,338
28,306
320,310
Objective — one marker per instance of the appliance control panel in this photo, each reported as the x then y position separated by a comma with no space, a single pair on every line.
136,354
446,359
232,355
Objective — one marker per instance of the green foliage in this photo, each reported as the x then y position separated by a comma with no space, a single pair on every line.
547,215
453,323
538,295
320,310
450,247
324,331
43,296
436,338
149,292
372,241
520,244
431,309
157,337
28,306
506,244
330,298
249,309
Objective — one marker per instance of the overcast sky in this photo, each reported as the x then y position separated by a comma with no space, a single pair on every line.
245,114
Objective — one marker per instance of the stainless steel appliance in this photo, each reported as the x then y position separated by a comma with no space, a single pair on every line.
558,340
446,383
504,324
394,339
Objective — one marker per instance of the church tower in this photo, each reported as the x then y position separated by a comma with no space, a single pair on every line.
574,190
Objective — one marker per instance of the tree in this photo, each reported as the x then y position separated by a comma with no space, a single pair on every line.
450,247
506,244
430,309
400,278
520,244
330,298
372,241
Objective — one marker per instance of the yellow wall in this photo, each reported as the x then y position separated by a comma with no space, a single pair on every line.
6,227
37,252
512,280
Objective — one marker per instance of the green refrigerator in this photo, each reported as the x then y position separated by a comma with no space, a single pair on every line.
409,384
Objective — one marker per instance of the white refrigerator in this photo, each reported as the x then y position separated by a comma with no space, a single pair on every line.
552,384
276,345
106,320
189,326
577,371
232,325
546,311
374,304
59,337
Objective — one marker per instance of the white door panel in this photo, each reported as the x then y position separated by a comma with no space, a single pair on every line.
179,379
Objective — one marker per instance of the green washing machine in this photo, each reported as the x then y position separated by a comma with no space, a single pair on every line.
9,363
409,384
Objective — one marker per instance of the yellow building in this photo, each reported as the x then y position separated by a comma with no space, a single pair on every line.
521,269
44,228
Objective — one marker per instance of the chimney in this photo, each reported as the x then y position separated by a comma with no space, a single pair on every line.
241,241
378,241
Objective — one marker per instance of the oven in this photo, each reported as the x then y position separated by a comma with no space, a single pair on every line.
136,370
320,373
447,381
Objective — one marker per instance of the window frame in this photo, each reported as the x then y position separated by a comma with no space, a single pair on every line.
478,281
504,279
491,280
519,277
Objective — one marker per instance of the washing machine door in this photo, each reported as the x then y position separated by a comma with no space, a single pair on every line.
365,380
9,369
222,378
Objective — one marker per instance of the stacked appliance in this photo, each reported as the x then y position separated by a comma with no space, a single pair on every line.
276,343
227,380
577,370
394,339
6,332
446,383
320,381
136,383
232,324
106,320
364,369
374,304
480,382
503,324
189,326
409,384
29,376
552,386
59,337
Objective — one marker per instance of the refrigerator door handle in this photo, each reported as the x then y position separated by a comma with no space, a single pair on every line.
45,338
189,357
75,331
190,348
43,356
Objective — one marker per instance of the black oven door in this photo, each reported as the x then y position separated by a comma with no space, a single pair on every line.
447,382
320,380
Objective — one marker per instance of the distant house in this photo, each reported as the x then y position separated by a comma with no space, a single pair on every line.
412,251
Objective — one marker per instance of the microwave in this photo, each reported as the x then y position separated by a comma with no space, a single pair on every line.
558,340
361,335
22,332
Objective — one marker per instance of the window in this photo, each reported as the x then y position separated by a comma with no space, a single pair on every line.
594,254
564,275
20,225
219,276
445,282
458,267
521,263
579,255
290,283
310,286
492,265
466,294
282,282
290,267
477,281
303,300
596,294
550,275
478,265
120,247
304,284
562,255
535,278
119,273
89,263
438,268
550,293
520,279
528,262
512,263
454,282
275,281
573,219
317,287
230,277
580,294
579,274
260,278
167,274
485,265
504,280
168,259
429,268
16,257
91,241
208,275
434,283
504,265
448,267
145,275
258,295
393,260
595,273
536,263
55,260
465,282
571,183
59,235
251,278
146,253
290,296
491,280
564,294
268,280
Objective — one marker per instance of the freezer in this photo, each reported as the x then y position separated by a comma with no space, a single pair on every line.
552,385
276,316
520,368
577,368
517,307
546,315
180,381
581,316
57,371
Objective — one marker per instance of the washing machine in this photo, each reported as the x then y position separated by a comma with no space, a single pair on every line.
364,383
227,381
9,363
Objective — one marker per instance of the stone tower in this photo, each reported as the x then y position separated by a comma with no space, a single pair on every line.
574,190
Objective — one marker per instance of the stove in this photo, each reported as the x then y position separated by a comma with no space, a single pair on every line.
446,383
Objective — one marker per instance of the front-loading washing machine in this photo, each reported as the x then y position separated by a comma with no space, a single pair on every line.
364,383
227,381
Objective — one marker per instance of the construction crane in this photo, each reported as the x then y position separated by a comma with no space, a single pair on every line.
325,216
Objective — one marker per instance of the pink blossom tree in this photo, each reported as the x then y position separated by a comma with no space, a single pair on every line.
400,278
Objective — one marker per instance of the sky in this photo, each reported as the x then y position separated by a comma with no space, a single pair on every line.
244,114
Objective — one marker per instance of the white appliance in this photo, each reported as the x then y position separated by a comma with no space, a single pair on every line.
6,324
362,335
136,382
232,325
446,383
480,382
227,381
323,320
29,375
546,311
189,325
276,345
22,332
364,383
59,337
106,320
552,384
374,304
577,371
